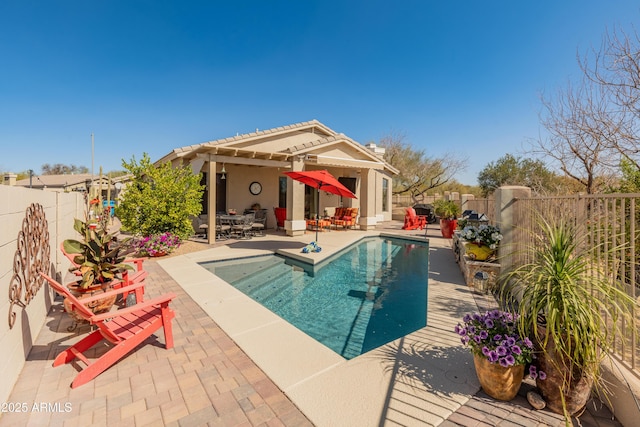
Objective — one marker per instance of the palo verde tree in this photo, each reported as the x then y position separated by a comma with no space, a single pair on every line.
418,172
160,198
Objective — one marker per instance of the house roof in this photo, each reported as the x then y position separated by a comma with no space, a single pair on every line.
66,180
313,140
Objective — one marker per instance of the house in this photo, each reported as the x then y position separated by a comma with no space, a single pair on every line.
245,170
82,182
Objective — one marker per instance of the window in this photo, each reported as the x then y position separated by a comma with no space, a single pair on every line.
385,195
282,192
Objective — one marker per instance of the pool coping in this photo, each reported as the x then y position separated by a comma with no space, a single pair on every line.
395,382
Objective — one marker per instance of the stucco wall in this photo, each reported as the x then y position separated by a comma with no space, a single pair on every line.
59,210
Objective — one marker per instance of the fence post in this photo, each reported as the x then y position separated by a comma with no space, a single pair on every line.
464,205
506,220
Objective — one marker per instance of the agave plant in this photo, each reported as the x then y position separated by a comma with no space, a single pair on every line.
570,308
100,256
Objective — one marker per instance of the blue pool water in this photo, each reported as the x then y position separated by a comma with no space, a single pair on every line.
360,299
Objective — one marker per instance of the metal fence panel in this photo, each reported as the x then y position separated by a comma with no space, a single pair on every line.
609,224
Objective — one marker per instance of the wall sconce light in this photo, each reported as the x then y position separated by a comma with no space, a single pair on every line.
223,172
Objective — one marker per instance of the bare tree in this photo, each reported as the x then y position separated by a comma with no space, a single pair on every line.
582,130
418,172
616,68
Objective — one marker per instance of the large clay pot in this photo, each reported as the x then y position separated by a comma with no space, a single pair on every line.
99,306
447,227
576,390
497,381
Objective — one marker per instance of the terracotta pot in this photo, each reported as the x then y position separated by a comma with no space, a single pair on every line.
575,386
497,381
98,306
447,227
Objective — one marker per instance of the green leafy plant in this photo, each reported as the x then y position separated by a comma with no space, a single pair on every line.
569,307
160,199
446,209
100,256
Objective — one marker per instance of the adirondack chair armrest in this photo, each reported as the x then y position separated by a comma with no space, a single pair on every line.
137,261
114,291
136,277
163,299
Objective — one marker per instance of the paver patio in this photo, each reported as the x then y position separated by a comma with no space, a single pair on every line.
207,379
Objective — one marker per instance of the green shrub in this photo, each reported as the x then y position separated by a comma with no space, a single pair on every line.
160,199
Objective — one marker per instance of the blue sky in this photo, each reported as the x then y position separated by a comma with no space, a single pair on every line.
150,76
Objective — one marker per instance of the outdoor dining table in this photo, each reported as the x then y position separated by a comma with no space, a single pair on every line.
234,220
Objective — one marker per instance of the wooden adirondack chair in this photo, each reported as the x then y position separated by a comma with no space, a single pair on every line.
125,329
413,221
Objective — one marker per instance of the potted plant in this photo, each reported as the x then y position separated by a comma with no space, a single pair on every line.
448,211
157,245
570,309
99,258
482,241
500,353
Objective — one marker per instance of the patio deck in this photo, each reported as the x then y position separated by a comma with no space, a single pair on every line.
233,364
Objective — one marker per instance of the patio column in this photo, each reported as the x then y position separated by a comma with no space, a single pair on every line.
211,217
368,218
295,225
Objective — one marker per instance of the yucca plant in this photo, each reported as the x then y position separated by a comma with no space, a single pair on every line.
570,308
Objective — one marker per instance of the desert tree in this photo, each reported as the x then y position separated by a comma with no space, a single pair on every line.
61,169
582,128
615,67
418,171
512,170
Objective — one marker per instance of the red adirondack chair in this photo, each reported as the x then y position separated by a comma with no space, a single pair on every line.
125,329
413,221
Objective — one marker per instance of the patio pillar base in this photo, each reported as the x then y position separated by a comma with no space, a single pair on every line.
295,228
368,223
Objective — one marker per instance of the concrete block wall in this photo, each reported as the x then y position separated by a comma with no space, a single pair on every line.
59,209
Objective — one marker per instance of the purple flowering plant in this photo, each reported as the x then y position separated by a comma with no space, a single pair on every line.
158,244
494,336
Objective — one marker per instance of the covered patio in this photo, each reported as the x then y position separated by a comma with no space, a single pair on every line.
246,172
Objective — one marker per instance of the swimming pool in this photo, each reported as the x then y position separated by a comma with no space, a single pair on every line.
359,299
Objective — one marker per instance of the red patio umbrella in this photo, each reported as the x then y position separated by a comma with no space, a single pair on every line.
322,181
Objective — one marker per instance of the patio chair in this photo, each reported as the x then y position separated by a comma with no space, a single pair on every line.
223,228
344,217
125,329
203,225
259,223
281,216
413,221
242,228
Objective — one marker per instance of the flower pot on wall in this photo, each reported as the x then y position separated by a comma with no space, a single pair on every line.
497,381
447,227
478,252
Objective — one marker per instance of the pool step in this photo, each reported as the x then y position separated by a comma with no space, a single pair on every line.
358,331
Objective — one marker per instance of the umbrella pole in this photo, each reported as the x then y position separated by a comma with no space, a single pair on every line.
317,214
